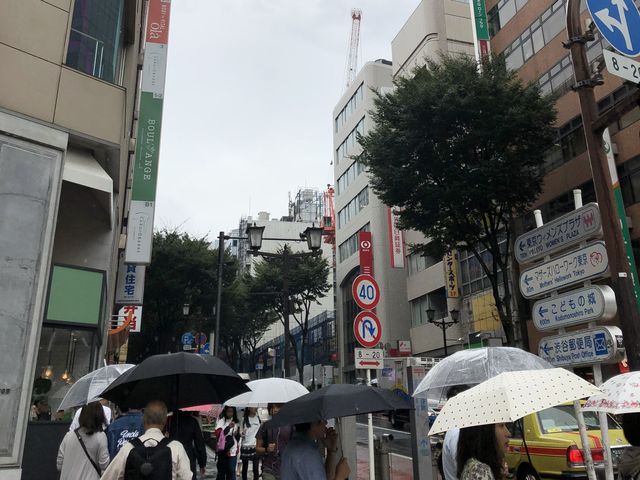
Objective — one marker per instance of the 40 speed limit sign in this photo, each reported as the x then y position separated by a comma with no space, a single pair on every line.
366,292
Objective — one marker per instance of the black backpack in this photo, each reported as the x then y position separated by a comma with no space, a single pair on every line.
149,463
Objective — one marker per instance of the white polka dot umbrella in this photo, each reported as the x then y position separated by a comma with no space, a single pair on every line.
620,394
510,396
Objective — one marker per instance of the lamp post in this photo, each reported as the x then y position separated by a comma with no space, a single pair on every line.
443,323
621,276
313,236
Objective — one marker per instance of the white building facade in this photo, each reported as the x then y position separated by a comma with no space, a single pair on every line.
358,209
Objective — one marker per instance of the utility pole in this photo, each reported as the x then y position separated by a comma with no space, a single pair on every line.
621,278
216,344
285,308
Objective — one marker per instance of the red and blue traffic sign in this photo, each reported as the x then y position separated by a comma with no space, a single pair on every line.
365,291
367,329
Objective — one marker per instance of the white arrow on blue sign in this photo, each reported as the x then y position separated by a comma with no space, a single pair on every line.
597,302
619,22
573,267
584,347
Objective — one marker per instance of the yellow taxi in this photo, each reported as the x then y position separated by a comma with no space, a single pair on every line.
551,446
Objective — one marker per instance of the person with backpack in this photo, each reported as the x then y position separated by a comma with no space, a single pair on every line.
186,429
83,453
123,429
151,456
228,434
250,426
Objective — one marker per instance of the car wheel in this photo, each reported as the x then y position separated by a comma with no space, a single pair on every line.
527,472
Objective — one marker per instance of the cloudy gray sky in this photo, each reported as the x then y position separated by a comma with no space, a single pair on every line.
251,85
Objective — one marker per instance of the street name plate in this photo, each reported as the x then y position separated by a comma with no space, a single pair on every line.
589,304
622,66
596,345
369,358
573,267
558,234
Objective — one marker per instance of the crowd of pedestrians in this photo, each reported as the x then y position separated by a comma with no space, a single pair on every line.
155,444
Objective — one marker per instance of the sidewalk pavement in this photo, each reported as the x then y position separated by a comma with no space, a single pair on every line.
401,467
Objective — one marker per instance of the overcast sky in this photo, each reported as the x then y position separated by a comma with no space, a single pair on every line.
250,90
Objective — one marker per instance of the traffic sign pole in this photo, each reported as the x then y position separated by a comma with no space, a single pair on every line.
620,272
372,471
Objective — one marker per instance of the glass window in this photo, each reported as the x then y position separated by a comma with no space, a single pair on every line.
527,49
95,40
537,39
554,25
514,59
507,11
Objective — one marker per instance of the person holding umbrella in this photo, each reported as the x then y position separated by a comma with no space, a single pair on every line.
481,451
270,443
301,459
228,434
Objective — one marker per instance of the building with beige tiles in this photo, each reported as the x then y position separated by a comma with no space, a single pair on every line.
68,86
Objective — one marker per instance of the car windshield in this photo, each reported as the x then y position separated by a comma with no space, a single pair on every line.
563,419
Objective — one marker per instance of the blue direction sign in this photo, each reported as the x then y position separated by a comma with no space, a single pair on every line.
589,304
206,349
574,227
619,22
573,267
187,338
585,347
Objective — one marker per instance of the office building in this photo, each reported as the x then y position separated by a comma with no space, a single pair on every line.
359,210
68,87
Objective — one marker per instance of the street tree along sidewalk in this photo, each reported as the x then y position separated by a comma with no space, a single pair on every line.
458,150
308,283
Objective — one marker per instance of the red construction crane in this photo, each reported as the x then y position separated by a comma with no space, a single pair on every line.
328,221
354,44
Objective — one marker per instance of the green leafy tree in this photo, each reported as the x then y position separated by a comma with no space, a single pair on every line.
458,150
183,270
308,283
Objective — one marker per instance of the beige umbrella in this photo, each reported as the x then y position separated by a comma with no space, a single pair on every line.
510,396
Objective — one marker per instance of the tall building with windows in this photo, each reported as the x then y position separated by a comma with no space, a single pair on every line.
433,28
358,209
530,34
68,87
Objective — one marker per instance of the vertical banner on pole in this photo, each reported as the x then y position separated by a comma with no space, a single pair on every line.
480,27
396,242
365,252
617,194
145,167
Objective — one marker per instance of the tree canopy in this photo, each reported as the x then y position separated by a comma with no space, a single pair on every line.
458,148
307,284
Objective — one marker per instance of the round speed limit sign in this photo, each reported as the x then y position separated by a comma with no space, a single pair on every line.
366,292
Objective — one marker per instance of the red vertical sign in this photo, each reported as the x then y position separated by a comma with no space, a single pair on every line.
366,252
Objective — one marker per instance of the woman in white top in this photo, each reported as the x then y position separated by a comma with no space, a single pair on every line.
228,434
83,453
250,425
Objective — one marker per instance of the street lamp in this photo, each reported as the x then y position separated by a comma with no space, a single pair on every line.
255,235
443,323
185,309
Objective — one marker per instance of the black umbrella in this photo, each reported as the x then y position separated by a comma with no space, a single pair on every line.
178,379
335,401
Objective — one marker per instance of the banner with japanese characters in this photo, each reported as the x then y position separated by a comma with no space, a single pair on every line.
130,283
451,274
396,241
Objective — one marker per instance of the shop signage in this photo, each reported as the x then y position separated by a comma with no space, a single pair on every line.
365,252
396,242
130,284
451,274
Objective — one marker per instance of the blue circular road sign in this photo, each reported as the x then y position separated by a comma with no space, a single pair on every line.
619,22
187,338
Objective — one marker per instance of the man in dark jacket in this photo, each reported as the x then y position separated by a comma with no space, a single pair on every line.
186,429
122,430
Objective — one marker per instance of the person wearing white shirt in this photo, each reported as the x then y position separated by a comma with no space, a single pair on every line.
107,415
155,419
450,444
250,426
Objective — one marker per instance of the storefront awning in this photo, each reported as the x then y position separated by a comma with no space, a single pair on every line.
82,168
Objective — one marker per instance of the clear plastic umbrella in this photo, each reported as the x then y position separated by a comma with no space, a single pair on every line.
470,367
88,388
